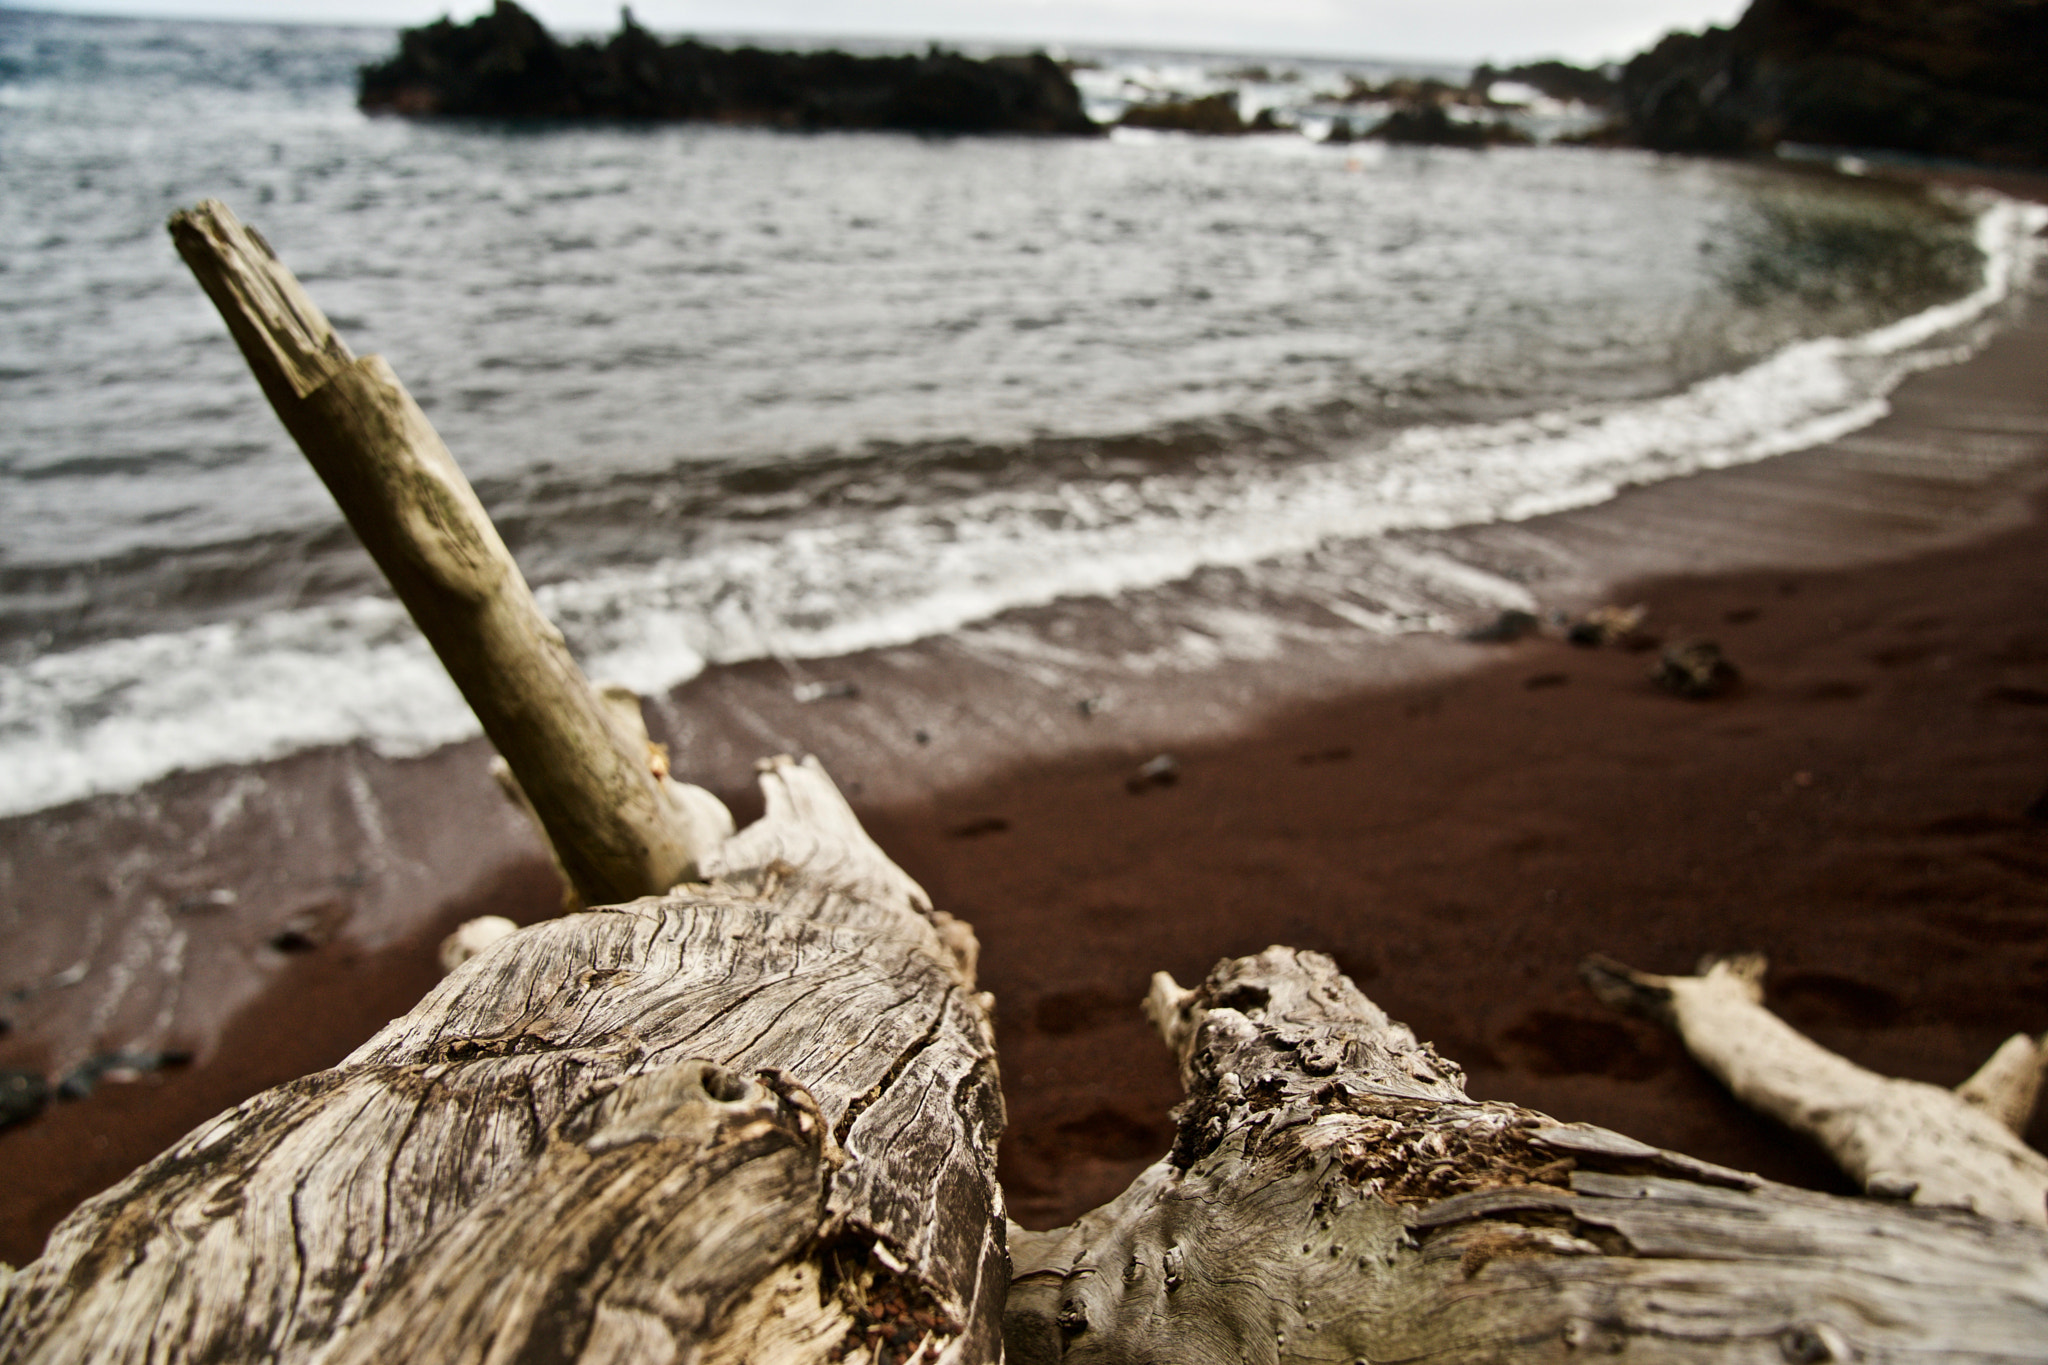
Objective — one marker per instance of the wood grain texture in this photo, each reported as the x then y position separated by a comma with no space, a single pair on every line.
756,1116
1334,1196
613,827
1897,1138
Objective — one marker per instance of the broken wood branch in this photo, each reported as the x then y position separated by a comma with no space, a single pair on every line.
1899,1139
2008,1085
614,829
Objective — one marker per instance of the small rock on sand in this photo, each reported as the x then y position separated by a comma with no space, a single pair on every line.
116,1066
1162,771
1505,628
1607,625
22,1096
1695,669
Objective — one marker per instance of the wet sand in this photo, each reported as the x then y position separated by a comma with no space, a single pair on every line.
1458,824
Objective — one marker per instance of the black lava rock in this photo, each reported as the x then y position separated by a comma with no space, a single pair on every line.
506,65
1558,80
1430,125
1961,79
22,1096
1212,115
1506,628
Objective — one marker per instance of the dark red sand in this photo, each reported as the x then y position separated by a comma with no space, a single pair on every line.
1858,811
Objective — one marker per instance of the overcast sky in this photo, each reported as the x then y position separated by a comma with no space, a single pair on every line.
1450,30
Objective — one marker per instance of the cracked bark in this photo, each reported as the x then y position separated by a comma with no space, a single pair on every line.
754,1118
1333,1195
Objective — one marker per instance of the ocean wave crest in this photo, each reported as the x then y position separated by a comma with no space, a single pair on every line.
112,715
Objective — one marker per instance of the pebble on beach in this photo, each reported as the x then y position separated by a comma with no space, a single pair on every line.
22,1096
1161,771
1695,670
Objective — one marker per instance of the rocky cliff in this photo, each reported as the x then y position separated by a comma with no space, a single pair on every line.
1963,79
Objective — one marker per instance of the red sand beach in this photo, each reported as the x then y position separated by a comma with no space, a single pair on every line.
1458,824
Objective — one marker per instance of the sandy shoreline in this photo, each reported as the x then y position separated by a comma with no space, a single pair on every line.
1457,823
1857,812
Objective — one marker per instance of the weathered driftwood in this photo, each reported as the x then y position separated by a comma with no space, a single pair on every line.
753,1119
753,1122
616,829
1333,1196
1899,1139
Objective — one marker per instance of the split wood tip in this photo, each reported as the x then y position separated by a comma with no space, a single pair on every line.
1622,988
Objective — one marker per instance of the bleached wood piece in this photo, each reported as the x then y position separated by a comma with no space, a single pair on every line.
2008,1085
591,785
548,1159
752,1120
1899,1139
1333,1195
472,937
697,819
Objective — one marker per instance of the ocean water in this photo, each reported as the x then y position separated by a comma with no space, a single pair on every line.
733,393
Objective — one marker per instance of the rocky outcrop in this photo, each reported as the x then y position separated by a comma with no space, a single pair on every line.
1554,79
1214,115
1211,115
1421,113
1963,79
1431,125
506,65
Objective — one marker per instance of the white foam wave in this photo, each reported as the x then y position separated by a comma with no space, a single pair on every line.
111,716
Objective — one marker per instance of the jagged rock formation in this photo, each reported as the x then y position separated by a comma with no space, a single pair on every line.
1212,115
1963,79
506,65
1421,113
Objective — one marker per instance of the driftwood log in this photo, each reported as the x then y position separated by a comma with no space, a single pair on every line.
1332,1195
753,1118
1899,1139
